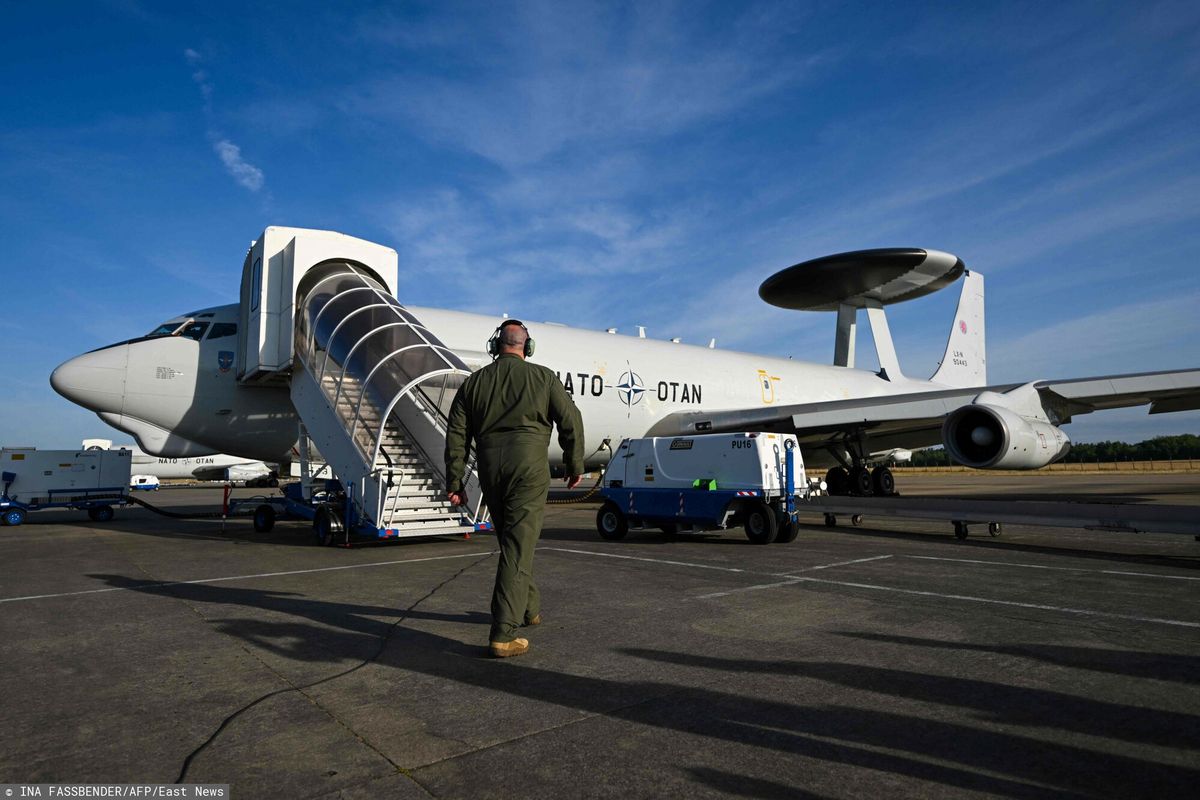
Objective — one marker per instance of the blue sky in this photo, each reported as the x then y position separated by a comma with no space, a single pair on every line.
611,164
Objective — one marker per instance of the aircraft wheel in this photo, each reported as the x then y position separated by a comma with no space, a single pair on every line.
788,530
883,481
994,528
860,481
611,522
13,516
761,524
960,530
100,513
327,526
264,518
836,480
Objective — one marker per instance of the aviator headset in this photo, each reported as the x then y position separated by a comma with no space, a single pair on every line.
493,345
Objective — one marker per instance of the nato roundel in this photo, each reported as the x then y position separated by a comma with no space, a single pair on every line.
630,388
888,275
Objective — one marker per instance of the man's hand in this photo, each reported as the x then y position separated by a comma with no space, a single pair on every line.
457,498
573,481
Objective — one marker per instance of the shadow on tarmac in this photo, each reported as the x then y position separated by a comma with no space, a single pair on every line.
985,542
950,753
1156,666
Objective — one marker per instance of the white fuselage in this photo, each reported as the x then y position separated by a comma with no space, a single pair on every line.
180,396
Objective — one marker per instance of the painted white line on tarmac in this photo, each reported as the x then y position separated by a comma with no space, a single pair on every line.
748,589
843,563
643,558
1012,603
792,579
1060,569
146,586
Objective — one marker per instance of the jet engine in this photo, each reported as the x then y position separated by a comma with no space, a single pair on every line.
989,436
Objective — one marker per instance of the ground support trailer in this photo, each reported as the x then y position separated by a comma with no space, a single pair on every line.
1117,517
698,483
328,512
88,480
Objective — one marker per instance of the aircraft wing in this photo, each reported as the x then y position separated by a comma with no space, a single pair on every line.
915,420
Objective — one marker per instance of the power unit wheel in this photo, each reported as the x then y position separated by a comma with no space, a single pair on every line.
830,521
837,480
761,523
264,518
860,481
611,522
327,526
788,530
13,516
100,513
960,530
883,481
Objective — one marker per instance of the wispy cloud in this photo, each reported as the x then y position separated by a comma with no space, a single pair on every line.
1163,333
246,174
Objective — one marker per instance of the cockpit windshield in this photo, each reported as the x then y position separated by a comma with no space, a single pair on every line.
188,329
193,330
166,329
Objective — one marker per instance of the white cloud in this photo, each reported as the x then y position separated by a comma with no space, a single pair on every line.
1154,335
244,173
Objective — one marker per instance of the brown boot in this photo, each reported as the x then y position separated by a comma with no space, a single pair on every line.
506,649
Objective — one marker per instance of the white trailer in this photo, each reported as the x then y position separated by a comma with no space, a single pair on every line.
706,482
88,480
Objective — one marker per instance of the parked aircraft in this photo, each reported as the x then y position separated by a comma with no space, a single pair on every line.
181,391
216,467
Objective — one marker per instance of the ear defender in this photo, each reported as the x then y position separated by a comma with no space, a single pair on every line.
493,344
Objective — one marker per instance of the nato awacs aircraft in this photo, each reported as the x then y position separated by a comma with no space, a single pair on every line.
217,467
320,351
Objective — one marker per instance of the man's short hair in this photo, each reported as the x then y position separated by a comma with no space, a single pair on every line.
513,335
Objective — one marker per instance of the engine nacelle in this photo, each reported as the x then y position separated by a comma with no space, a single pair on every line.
987,436
246,472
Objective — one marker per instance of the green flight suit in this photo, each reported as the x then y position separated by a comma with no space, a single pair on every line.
508,408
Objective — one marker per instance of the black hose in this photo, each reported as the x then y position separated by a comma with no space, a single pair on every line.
175,514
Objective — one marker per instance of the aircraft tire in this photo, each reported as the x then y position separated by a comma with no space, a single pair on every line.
611,522
327,525
264,518
836,480
860,482
761,524
788,530
100,513
883,482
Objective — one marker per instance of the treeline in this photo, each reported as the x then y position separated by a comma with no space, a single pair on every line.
1160,448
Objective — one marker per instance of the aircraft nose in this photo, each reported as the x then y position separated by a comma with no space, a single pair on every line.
94,380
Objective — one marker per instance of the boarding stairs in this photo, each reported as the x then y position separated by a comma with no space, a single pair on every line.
373,388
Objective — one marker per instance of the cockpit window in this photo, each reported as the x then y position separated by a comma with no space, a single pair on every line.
166,329
222,329
194,330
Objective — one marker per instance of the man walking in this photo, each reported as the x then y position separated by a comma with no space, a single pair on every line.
508,408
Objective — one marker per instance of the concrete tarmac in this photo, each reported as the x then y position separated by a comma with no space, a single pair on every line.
888,659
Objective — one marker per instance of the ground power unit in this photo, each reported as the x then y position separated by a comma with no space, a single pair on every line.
88,480
715,481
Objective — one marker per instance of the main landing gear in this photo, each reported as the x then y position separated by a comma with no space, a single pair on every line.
860,481
857,478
